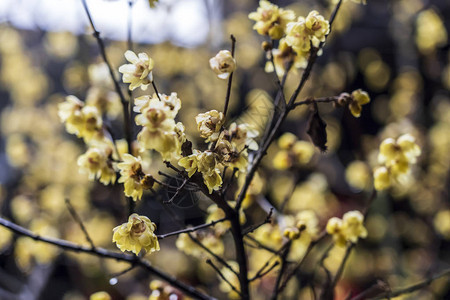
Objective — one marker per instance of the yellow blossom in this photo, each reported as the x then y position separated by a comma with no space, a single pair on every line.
271,20
317,26
303,152
358,99
223,64
96,162
139,72
287,140
132,176
382,178
209,124
135,235
70,113
347,229
430,33
442,223
297,37
283,57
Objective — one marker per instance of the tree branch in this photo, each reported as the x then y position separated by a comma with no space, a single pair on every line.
132,259
192,229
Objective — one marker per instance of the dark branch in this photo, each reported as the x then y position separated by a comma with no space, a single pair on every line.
192,229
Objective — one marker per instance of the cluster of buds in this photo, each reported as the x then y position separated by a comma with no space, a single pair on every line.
396,157
348,229
293,152
305,222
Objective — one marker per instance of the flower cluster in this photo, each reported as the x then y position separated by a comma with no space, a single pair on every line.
223,64
347,229
136,234
228,149
271,20
139,72
160,132
85,121
134,179
296,37
293,152
396,157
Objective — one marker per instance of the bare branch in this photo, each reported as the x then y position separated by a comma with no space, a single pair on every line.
230,78
191,229
77,219
101,252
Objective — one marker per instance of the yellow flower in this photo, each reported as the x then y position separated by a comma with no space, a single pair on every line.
139,72
442,223
223,64
242,136
209,124
100,296
97,163
358,99
349,229
213,180
271,20
131,175
334,227
136,235
189,163
353,227
430,33
317,26
282,160
297,36
283,57
70,113
382,178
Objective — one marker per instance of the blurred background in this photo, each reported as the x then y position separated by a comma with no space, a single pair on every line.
398,51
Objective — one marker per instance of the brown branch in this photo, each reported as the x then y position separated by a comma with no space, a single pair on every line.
318,100
191,229
300,263
283,257
256,226
413,287
230,78
261,273
77,219
101,252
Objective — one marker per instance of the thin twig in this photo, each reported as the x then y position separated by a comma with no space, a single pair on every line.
268,219
100,252
217,257
261,274
115,275
413,287
230,78
191,229
300,263
209,262
318,100
77,218
177,192
156,90
283,257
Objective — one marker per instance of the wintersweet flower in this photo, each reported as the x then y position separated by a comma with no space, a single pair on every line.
271,20
132,176
223,64
96,163
349,229
70,113
100,296
317,26
358,99
396,157
209,124
136,234
139,72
